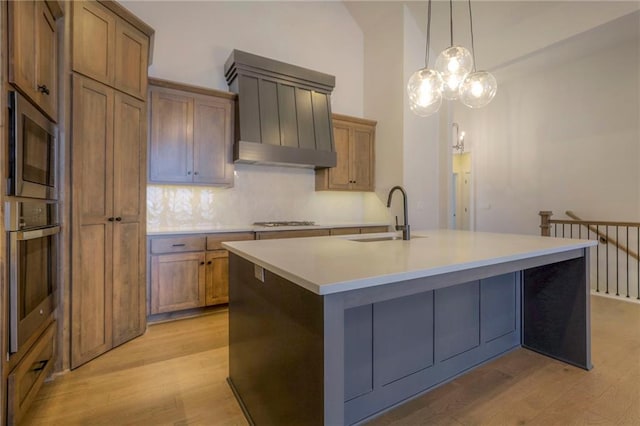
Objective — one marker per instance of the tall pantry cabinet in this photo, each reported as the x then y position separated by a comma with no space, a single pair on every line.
110,50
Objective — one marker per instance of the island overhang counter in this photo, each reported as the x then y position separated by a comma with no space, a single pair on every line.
335,330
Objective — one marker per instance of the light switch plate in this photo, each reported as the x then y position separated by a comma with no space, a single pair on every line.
258,272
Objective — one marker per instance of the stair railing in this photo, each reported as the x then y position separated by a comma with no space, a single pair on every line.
615,261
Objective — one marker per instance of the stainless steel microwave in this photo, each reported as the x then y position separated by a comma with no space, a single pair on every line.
32,151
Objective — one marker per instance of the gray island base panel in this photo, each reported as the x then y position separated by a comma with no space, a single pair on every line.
296,357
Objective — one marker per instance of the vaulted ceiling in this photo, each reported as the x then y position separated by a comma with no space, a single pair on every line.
503,30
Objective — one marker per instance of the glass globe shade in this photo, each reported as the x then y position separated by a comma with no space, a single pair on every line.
425,92
453,64
478,89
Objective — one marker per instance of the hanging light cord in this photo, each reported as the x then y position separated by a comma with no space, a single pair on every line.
426,56
473,48
451,20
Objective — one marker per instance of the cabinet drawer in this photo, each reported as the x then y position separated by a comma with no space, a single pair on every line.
374,229
345,231
292,234
25,380
177,244
214,241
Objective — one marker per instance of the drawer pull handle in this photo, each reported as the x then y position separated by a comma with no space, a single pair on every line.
42,88
178,245
40,365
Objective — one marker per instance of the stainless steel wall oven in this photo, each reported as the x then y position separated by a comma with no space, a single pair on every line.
32,232
32,151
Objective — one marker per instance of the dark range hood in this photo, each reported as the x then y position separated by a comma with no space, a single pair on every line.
283,112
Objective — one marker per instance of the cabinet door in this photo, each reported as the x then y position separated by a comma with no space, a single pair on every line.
171,141
177,282
212,141
46,60
361,158
339,176
129,158
131,57
92,201
22,45
217,277
93,36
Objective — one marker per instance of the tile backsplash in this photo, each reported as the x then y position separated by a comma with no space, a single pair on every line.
260,193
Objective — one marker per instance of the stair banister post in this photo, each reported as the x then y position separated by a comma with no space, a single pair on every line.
545,223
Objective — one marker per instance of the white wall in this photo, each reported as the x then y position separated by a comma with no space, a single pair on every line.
421,140
562,133
192,42
382,27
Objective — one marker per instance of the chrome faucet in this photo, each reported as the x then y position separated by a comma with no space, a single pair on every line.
405,228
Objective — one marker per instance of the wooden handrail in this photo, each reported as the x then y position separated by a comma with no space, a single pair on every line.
608,239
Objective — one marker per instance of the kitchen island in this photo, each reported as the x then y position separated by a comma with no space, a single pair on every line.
335,330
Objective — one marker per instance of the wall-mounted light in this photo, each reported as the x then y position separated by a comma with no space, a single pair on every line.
454,77
459,140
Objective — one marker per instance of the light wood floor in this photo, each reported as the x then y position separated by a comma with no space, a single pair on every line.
175,375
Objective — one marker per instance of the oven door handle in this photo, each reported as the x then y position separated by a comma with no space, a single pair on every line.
36,233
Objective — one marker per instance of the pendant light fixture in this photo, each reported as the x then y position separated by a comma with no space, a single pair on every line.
425,85
453,63
479,87
454,76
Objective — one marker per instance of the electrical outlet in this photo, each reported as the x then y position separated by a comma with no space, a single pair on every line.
258,272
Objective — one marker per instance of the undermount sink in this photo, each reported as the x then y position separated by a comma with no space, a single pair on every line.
387,238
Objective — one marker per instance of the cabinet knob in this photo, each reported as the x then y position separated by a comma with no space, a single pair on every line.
188,173
195,173
118,219
209,263
111,219
202,263
42,88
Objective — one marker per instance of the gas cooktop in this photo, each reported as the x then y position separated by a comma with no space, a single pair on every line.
285,223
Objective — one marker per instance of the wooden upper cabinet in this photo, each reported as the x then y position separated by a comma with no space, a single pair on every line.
191,135
171,147
33,53
131,64
361,157
108,49
354,140
94,29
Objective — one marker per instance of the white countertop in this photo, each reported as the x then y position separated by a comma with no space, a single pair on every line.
213,229
326,265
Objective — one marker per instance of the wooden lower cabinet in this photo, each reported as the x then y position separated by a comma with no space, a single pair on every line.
217,277
177,282
189,280
27,377
190,271
108,293
359,230
271,235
